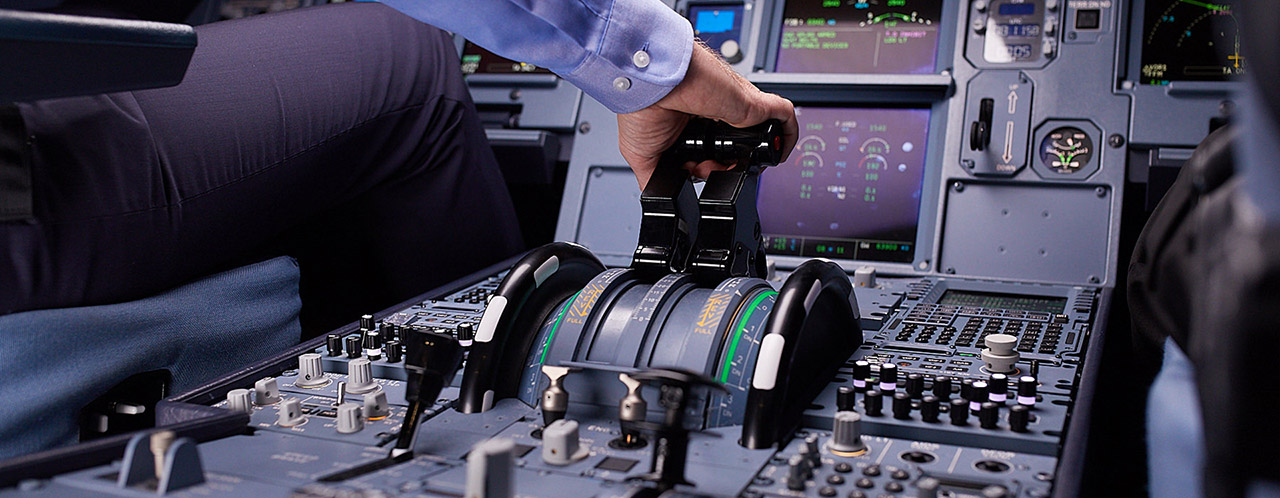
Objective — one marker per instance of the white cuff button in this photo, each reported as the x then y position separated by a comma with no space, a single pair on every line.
640,59
621,84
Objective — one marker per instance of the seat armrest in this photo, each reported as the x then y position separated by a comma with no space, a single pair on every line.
46,55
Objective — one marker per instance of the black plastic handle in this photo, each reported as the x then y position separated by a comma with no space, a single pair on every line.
813,328
543,278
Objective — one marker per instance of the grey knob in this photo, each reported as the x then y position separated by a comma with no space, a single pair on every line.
927,487
311,372
995,491
864,277
731,51
999,354
846,435
349,418
375,405
360,376
289,413
238,401
560,443
266,391
489,469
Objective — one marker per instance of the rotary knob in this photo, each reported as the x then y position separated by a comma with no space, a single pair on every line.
375,405
266,391
311,372
360,376
999,354
846,435
560,443
238,401
289,413
349,419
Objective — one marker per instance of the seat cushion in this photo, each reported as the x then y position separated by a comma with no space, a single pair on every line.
54,362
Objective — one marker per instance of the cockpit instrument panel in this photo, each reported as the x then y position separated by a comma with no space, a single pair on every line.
1191,40
859,36
478,60
851,188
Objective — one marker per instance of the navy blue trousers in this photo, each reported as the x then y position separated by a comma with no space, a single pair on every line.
341,135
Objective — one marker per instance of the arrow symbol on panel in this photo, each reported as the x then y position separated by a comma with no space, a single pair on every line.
1013,101
1008,142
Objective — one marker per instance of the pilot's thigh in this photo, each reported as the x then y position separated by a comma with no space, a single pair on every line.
281,120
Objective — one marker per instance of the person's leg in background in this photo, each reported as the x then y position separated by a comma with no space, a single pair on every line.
342,135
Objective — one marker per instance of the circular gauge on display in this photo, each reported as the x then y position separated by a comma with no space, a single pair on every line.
1066,150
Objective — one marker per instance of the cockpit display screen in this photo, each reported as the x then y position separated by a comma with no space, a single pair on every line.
859,36
1190,40
851,188
477,60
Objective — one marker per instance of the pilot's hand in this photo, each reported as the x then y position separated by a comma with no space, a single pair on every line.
710,89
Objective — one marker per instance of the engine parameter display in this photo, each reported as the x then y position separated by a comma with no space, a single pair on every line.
859,36
478,60
1017,302
1190,40
851,188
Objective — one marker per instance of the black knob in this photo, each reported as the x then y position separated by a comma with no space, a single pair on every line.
873,403
373,345
915,385
977,395
902,406
861,372
959,412
334,343
466,332
366,322
394,353
929,409
797,472
998,388
353,346
942,387
989,415
391,332
1027,390
888,377
966,389
844,398
1019,417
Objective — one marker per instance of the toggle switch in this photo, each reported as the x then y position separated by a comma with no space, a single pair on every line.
980,130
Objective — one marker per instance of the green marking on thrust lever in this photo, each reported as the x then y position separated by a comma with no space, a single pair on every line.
547,346
742,325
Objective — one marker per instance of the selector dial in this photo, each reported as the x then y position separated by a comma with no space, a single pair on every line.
1066,150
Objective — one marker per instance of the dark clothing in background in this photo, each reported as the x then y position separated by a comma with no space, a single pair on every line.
341,135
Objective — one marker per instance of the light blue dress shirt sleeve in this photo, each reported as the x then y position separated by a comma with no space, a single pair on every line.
627,54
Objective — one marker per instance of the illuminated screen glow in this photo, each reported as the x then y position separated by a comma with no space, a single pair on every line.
851,189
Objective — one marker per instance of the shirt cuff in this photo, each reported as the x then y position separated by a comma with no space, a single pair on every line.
643,54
